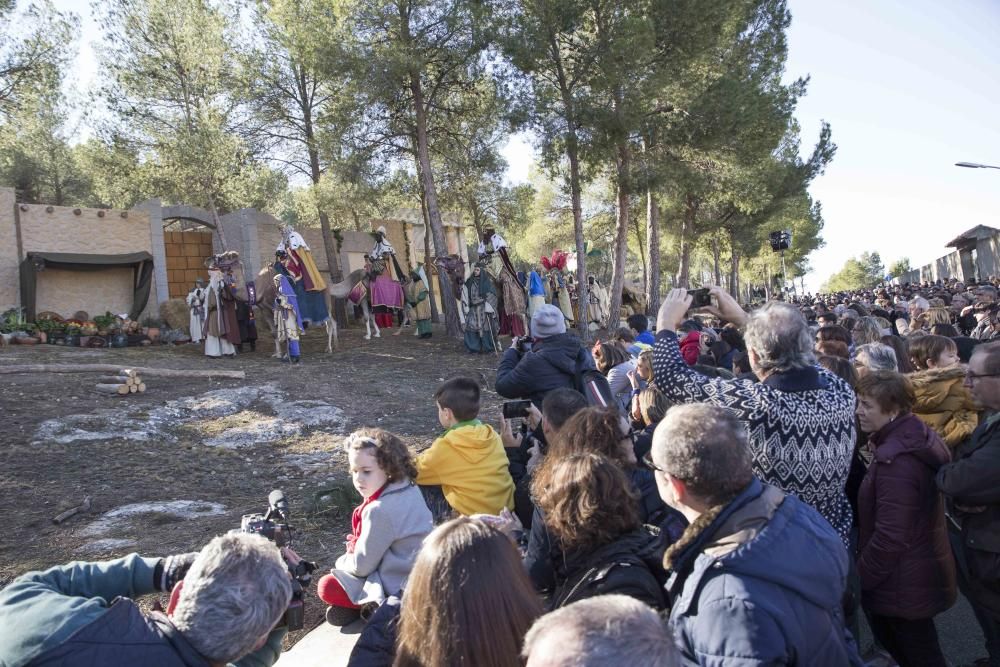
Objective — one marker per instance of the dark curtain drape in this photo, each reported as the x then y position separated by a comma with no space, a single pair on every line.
142,274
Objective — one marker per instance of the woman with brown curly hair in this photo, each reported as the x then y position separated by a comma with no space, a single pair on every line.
468,601
387,528
600,431
590,509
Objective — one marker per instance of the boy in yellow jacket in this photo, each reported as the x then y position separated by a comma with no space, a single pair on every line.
465,470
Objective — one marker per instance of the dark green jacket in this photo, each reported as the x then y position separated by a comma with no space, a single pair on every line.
80,614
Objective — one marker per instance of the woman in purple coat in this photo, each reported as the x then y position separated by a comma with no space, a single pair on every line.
906,568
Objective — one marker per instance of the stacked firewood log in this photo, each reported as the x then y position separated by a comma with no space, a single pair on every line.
126,382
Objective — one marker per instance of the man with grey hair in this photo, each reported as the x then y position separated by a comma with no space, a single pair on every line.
225,603
800,417
875,357
758,576
600,631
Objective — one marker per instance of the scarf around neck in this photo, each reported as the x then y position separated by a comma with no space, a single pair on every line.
355,534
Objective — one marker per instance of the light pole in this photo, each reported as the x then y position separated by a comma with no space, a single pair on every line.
975,165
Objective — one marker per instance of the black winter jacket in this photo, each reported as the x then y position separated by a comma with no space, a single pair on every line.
376,646
553,363
630,565
971,484
544,558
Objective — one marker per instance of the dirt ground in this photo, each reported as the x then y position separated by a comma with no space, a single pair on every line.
169,469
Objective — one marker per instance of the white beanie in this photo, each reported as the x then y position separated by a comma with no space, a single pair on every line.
547,321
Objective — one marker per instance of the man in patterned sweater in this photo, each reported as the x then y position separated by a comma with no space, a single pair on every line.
800,416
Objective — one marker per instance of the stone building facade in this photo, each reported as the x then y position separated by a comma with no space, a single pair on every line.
976,257
179,239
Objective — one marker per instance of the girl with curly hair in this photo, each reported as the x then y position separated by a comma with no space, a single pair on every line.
387,528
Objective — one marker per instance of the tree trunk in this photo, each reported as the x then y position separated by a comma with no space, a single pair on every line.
687,229
316,173
576,203
642,252
476,218
716,268
218,224
621,236
332,262
453,326
575,189
734,267
435,317
653,243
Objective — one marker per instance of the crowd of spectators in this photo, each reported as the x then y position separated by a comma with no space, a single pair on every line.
737,488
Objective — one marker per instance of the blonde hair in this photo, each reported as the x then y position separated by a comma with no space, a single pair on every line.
936,316
645,361
653,405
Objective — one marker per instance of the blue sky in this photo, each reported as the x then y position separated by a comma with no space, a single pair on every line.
909,89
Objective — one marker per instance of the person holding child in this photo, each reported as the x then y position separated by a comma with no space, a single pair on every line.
387,528
464,470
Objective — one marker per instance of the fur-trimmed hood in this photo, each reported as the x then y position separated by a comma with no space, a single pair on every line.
944,404
933,386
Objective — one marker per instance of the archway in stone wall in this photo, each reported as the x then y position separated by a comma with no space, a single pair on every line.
187,241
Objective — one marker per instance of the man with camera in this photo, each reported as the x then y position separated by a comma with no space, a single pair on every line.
800,417
550,360
225,603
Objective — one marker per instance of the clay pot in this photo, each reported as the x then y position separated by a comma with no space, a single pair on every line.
153,333
42,337
27,340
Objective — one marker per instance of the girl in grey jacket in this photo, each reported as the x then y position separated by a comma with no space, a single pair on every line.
387,528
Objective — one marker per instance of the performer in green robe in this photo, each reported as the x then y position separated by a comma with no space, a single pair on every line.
417,299
480,299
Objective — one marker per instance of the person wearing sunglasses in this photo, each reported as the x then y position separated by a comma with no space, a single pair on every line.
971,484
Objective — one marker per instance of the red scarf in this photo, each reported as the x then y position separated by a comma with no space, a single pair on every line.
352,538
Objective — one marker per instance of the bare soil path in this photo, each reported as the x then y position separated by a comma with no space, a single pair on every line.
169,469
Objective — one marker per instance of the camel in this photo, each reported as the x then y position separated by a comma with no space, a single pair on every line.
265,309
345,290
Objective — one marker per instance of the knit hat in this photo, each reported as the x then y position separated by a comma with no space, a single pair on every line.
547,321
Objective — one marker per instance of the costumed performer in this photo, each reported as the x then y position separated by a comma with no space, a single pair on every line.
234,277
221,330
599,304
479,300
536,293
300,259
386,293
493,247
196,304
557,285
312,305
417,297
287,318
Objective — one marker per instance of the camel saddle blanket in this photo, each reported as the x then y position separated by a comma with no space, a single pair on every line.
357,293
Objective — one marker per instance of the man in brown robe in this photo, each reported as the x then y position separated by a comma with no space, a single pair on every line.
222,331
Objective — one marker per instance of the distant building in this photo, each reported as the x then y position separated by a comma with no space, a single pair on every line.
977,257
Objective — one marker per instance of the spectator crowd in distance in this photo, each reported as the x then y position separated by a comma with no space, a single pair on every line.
739,488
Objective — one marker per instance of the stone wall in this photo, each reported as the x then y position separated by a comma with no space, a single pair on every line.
96,292
9,281
77,230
